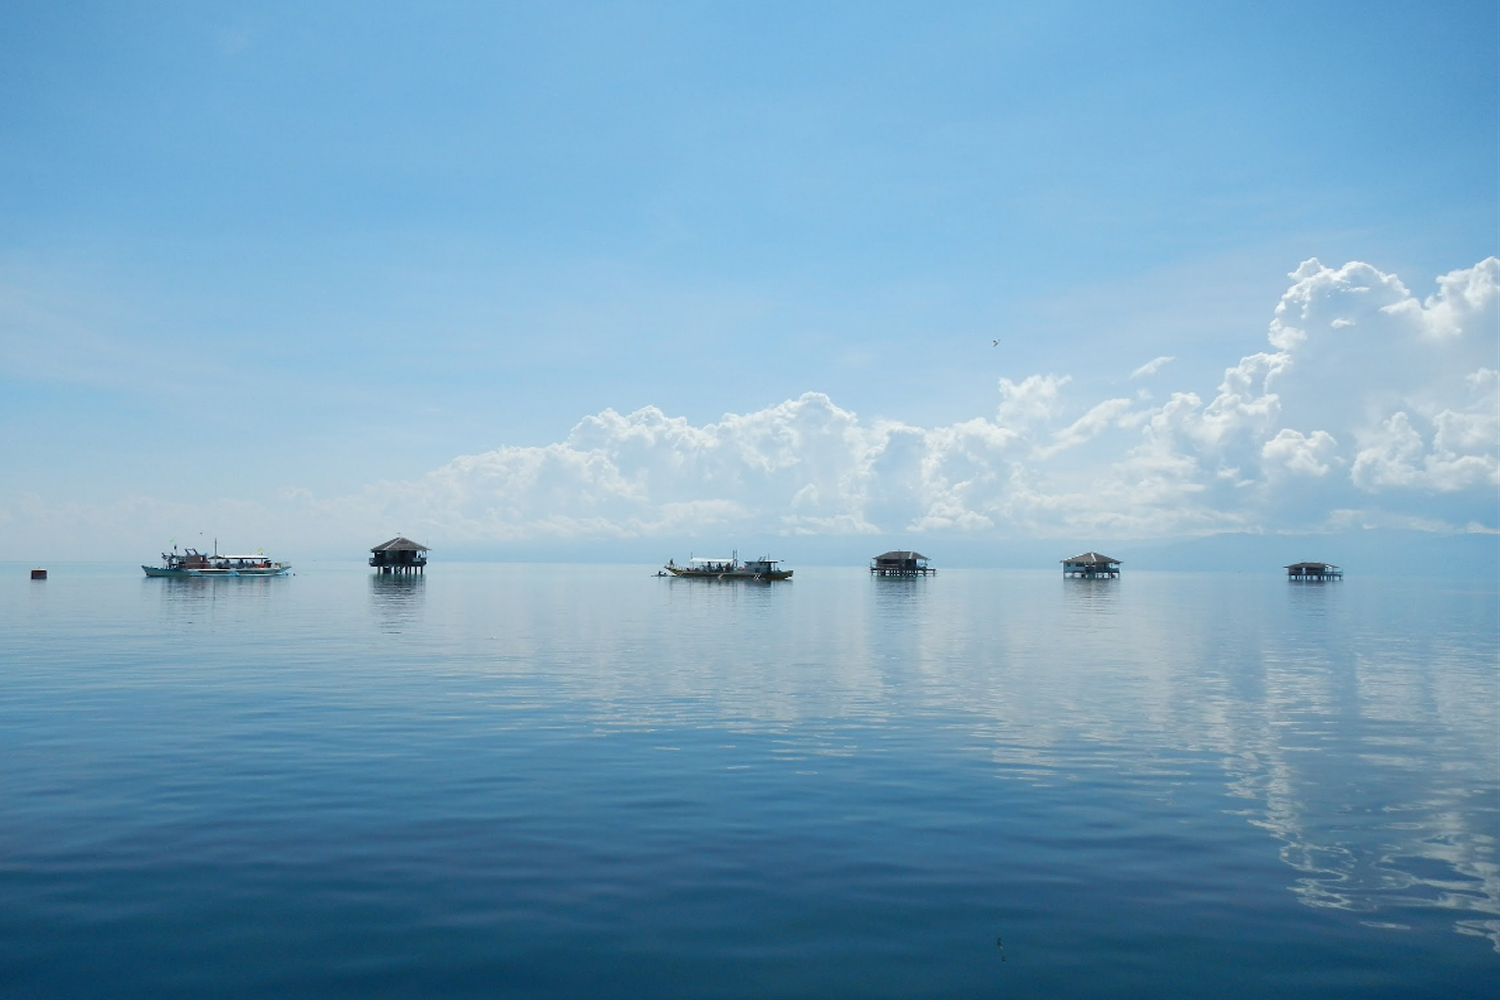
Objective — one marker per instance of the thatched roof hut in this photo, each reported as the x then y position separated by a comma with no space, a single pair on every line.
1314,571
399,555
1090,565
901,562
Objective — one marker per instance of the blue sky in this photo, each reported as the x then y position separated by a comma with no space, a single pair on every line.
256,262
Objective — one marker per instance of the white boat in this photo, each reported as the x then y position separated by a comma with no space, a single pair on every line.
192,563
719,568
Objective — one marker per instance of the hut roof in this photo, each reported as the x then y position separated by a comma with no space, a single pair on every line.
400,544
1311,565
899,555
1090,558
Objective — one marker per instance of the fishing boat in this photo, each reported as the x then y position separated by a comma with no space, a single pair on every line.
710,568
192,563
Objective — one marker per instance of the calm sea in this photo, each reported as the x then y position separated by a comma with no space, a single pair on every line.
570,781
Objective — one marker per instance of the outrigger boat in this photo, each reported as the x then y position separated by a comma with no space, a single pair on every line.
704,568
192,563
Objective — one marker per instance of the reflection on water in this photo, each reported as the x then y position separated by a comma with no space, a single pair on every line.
396,599
1315,599
184,601
935,742
1360,735
1086,592
1354,725
900,603
1357,735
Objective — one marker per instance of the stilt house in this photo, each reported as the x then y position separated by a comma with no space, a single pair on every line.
399,555
901,563
1091,566
1313,572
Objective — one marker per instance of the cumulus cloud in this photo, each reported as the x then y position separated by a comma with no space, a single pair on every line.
1035,398
1365,404
1459,453
1366,398
1295,453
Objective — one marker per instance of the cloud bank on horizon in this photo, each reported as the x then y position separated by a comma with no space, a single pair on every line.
1368,408
1371,407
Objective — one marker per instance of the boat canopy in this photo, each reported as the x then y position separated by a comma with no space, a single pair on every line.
712,559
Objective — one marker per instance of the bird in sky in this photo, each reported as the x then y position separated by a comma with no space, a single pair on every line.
995,343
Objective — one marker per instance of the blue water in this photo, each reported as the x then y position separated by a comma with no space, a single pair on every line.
565,781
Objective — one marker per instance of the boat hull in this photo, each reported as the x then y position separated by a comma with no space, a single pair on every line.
734,574
198,574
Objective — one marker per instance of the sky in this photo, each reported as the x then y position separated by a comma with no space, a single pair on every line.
305,276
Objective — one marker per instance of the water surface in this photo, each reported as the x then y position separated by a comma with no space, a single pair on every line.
558,781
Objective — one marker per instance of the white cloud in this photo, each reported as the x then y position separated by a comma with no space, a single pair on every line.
1090,425
1371,405
1033,399
1462,453
1465,299
1153,366
1049,461
1297,453
1324,297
